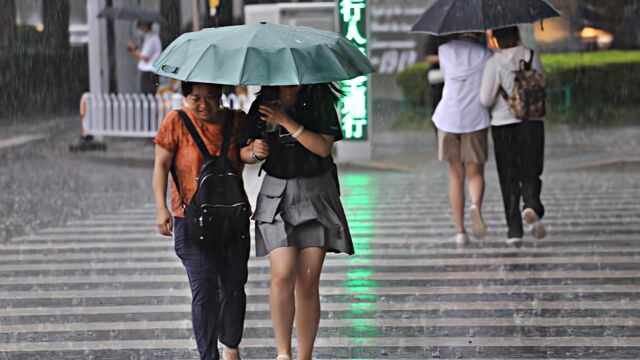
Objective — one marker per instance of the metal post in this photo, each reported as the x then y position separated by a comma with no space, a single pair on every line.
195,14
98,68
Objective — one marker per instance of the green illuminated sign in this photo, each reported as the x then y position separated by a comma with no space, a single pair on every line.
353,106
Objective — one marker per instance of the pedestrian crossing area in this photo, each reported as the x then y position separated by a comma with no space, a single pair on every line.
108,287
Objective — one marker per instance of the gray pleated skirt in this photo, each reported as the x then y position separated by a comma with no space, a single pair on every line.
301,212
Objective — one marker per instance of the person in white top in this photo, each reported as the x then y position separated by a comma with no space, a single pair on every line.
146,56
518,145
462,124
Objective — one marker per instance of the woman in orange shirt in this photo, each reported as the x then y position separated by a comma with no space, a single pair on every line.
214,317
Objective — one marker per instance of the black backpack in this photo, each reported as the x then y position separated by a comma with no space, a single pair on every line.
219,210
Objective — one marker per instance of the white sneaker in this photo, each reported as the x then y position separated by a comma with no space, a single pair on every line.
479,227
513,241
537,227
462,239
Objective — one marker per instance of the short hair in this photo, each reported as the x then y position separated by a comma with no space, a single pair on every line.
507,37
469,35
145,24
187,87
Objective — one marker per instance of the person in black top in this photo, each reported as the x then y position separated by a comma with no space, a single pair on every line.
298,215
287,107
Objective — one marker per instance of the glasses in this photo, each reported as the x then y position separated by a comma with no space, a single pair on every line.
194,100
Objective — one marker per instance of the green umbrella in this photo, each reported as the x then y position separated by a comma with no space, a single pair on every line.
262,54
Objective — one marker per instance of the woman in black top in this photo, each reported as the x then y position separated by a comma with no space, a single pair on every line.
299,216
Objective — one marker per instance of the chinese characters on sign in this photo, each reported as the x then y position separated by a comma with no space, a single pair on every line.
392,45
353,106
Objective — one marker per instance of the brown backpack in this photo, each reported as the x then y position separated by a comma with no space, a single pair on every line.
528,98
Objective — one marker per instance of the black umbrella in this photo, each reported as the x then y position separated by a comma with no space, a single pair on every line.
456,16
132,14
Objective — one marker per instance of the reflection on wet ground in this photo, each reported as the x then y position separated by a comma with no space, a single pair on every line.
109,288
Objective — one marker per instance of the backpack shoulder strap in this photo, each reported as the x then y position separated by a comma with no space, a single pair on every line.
227,132
174,175
529,63
196,137
194,134
503,93
226,139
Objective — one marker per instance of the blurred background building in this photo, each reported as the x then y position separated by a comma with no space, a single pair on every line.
49,40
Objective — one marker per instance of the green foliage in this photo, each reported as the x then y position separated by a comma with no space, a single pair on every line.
26,34
413,119
602,87
556,62
39,80
595,116
414,84
597,91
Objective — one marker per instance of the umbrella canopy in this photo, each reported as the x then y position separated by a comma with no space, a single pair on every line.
456,16
262,54
132,14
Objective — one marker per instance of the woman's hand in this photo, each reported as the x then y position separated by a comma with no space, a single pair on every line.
164,222
260,148
274,113
318,144
255,151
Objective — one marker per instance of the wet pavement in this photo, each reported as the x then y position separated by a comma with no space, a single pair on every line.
43,184
100,284
109,288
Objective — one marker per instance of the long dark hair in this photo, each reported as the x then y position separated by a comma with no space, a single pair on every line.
507,37
321,94
318,96
316,101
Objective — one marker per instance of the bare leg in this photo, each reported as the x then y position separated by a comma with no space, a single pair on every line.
475,173
281,295
456,193
229,353
310,262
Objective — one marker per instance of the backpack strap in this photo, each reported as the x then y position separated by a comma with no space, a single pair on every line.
226,140
194,134
203,149
530,62
526,65
174,176
227,132
503,93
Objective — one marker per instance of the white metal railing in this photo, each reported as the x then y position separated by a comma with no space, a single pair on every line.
139,115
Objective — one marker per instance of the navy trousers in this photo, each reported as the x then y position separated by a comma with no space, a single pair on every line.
217,287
